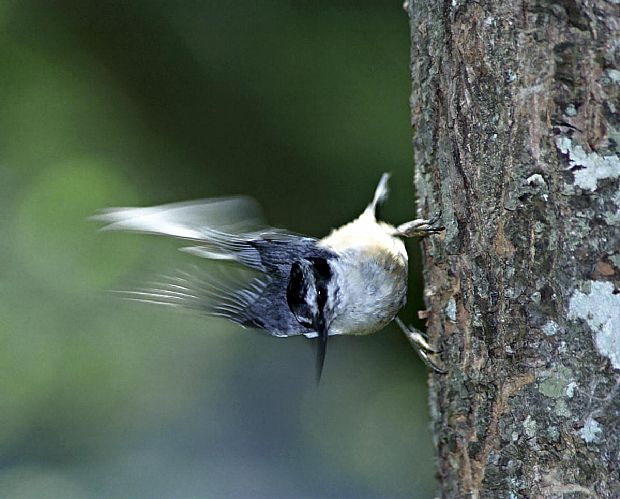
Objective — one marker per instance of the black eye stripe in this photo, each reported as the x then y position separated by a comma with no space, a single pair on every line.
321,297
307,288
297,292
321,268
322,276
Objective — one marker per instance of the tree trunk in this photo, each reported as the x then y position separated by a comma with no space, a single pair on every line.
515,108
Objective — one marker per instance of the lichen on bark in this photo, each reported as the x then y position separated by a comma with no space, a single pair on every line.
516,131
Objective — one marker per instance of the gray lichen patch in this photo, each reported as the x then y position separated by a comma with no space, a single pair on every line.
561,409
451,310
529,426
550,328
613,217
553,433
613,74
601,310
570,110
592,166
590,430
555,382
570,389
536,180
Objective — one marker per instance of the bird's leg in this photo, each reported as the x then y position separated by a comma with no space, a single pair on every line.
420,345
420,227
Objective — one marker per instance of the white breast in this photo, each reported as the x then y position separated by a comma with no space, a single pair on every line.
371,275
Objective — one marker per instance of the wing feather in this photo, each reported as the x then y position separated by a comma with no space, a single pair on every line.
187,220
251,294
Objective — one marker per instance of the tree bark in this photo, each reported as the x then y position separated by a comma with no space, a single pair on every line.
515,109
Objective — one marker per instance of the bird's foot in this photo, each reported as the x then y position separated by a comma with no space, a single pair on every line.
421,346
420,227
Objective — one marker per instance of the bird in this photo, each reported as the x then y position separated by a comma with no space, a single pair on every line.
351,282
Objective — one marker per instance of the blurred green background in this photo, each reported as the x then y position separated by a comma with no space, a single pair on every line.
301,104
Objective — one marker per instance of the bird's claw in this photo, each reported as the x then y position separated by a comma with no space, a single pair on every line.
420,227
421,346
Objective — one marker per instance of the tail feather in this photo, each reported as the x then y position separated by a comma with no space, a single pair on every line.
381,194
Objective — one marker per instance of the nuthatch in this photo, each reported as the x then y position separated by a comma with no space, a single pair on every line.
354,281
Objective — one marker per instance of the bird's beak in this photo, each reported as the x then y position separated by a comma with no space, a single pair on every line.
321,327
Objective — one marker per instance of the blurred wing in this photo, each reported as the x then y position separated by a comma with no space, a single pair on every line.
229,293
225,228
229,229
189,220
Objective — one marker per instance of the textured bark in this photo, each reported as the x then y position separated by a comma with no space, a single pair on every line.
515,110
